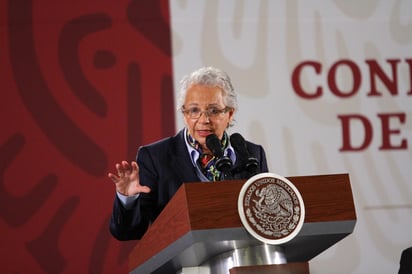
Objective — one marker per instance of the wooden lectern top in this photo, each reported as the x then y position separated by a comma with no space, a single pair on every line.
202,221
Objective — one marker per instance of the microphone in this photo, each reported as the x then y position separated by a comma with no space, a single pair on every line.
250,164
223,163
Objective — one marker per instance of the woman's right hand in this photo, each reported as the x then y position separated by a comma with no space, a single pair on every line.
127,179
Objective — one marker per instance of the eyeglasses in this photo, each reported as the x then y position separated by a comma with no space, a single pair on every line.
195,112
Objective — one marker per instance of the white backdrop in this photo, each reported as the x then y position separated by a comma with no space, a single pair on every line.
260,43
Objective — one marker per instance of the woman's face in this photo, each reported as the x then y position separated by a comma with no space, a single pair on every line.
201,98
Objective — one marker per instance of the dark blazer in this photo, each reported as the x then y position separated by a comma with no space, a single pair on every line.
405,264
164,166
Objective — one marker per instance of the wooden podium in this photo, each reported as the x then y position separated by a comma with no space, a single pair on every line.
201,222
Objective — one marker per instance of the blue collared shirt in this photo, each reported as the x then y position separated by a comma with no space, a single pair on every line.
194,155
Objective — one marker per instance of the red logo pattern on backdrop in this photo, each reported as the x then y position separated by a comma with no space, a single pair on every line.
84,83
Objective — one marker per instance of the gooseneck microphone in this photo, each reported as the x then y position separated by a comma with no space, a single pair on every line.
223,163
248,163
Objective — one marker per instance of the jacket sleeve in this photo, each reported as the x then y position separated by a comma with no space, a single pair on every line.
131,224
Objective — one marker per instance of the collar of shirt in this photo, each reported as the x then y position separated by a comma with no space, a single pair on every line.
194,154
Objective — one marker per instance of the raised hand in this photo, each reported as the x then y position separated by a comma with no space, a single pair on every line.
127,179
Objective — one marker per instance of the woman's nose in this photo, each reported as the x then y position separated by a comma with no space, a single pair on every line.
204,117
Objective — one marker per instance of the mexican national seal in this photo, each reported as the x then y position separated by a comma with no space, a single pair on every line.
271,208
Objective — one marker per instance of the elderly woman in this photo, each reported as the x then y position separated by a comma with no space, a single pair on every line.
143,188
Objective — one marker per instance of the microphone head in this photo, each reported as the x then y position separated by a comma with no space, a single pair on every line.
249,163
236,138
213,143
239,144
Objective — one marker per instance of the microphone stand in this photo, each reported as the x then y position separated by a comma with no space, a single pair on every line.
251,166
224,165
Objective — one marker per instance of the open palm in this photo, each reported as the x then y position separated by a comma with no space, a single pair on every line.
127,179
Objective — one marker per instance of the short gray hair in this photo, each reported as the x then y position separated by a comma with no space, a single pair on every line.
209,77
